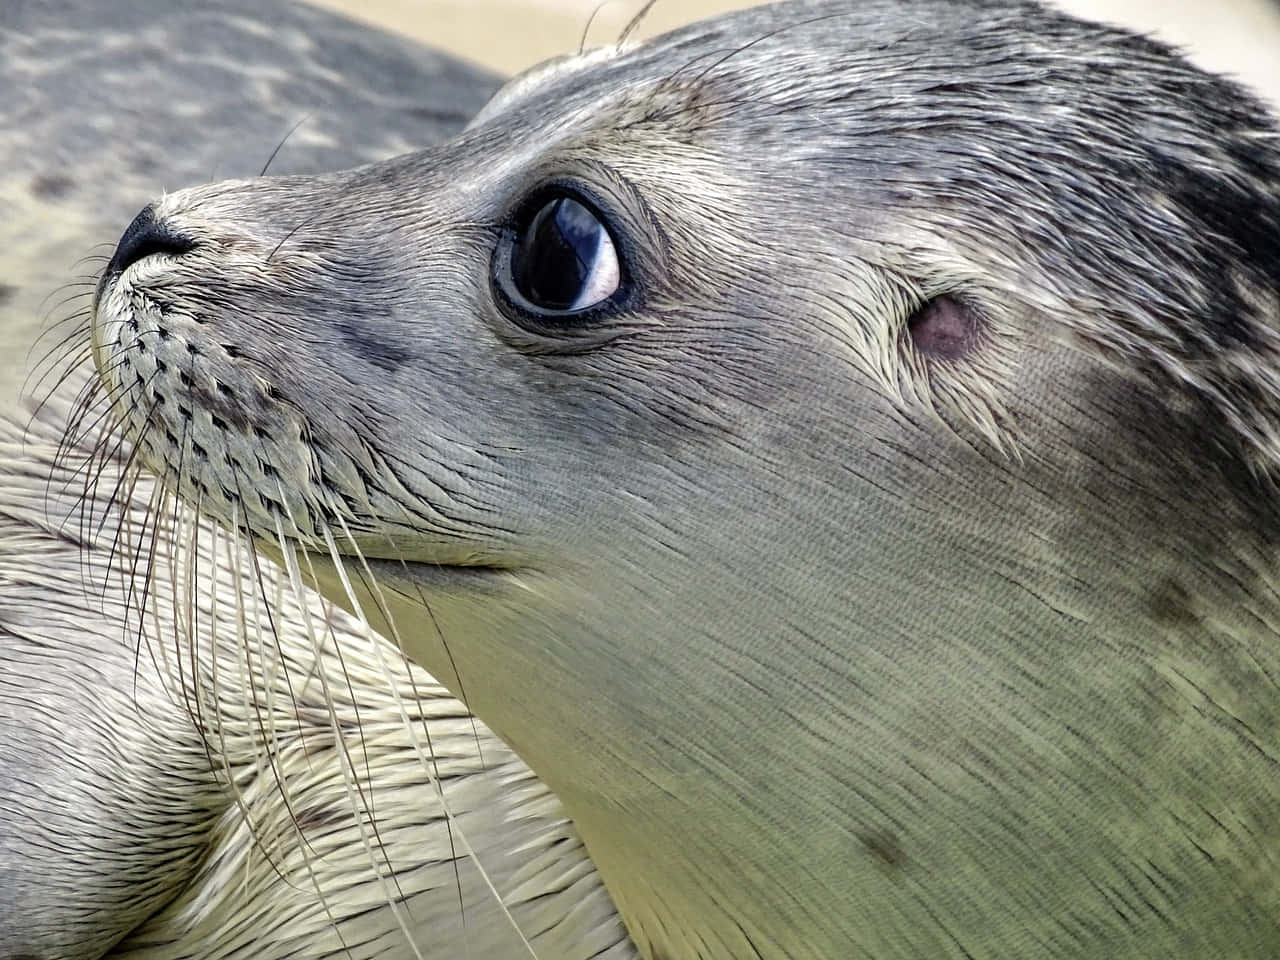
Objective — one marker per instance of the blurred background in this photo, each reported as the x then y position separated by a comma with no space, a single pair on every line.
1241,37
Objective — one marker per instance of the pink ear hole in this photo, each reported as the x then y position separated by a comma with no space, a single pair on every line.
946,328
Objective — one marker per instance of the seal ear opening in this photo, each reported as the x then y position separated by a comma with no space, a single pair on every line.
945,327
959,367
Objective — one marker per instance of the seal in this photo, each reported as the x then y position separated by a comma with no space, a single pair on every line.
185,787
834,445
149,809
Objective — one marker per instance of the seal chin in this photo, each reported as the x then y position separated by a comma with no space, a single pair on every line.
412,576
437,575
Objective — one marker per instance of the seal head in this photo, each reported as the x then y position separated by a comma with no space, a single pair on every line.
831,444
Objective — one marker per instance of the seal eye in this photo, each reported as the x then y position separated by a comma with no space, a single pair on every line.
564,259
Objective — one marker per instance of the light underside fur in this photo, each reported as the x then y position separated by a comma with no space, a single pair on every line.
274,799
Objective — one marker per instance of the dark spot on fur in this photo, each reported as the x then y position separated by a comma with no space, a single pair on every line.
7,292
50,186
436,114
320,818
945,327
1172,606
886,848
221,404
1240,233
382,353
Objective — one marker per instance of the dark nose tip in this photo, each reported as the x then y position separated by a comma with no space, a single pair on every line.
145,236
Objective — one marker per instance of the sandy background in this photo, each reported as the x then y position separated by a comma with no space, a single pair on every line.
1233,36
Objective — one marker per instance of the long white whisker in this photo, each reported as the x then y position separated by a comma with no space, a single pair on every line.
354,796
429,766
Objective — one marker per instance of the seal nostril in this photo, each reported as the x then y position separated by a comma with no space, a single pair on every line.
146,236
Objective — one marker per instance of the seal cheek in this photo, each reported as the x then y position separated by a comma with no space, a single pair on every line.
384,352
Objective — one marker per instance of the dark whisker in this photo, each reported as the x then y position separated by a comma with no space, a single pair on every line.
634,23
368,581
595,12
746,46
365,801
276,151
257,570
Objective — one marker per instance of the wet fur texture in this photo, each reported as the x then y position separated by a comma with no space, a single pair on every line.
834,641
144,814
221,782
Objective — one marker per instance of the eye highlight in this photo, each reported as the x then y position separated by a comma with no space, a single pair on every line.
563,259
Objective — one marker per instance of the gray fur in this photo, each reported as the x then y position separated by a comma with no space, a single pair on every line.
109,809
830,646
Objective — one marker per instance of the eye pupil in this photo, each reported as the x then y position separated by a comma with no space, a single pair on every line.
564,259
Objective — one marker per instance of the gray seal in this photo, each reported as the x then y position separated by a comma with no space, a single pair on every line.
833,445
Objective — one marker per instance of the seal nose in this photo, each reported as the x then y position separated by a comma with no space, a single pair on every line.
145,236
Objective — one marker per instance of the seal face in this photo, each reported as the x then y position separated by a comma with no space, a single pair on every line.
883,563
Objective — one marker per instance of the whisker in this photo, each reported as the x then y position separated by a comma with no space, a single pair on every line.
634,23
283,141
249,694
353,789
586,29
431,768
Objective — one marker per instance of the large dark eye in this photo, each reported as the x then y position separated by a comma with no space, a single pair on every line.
564,259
